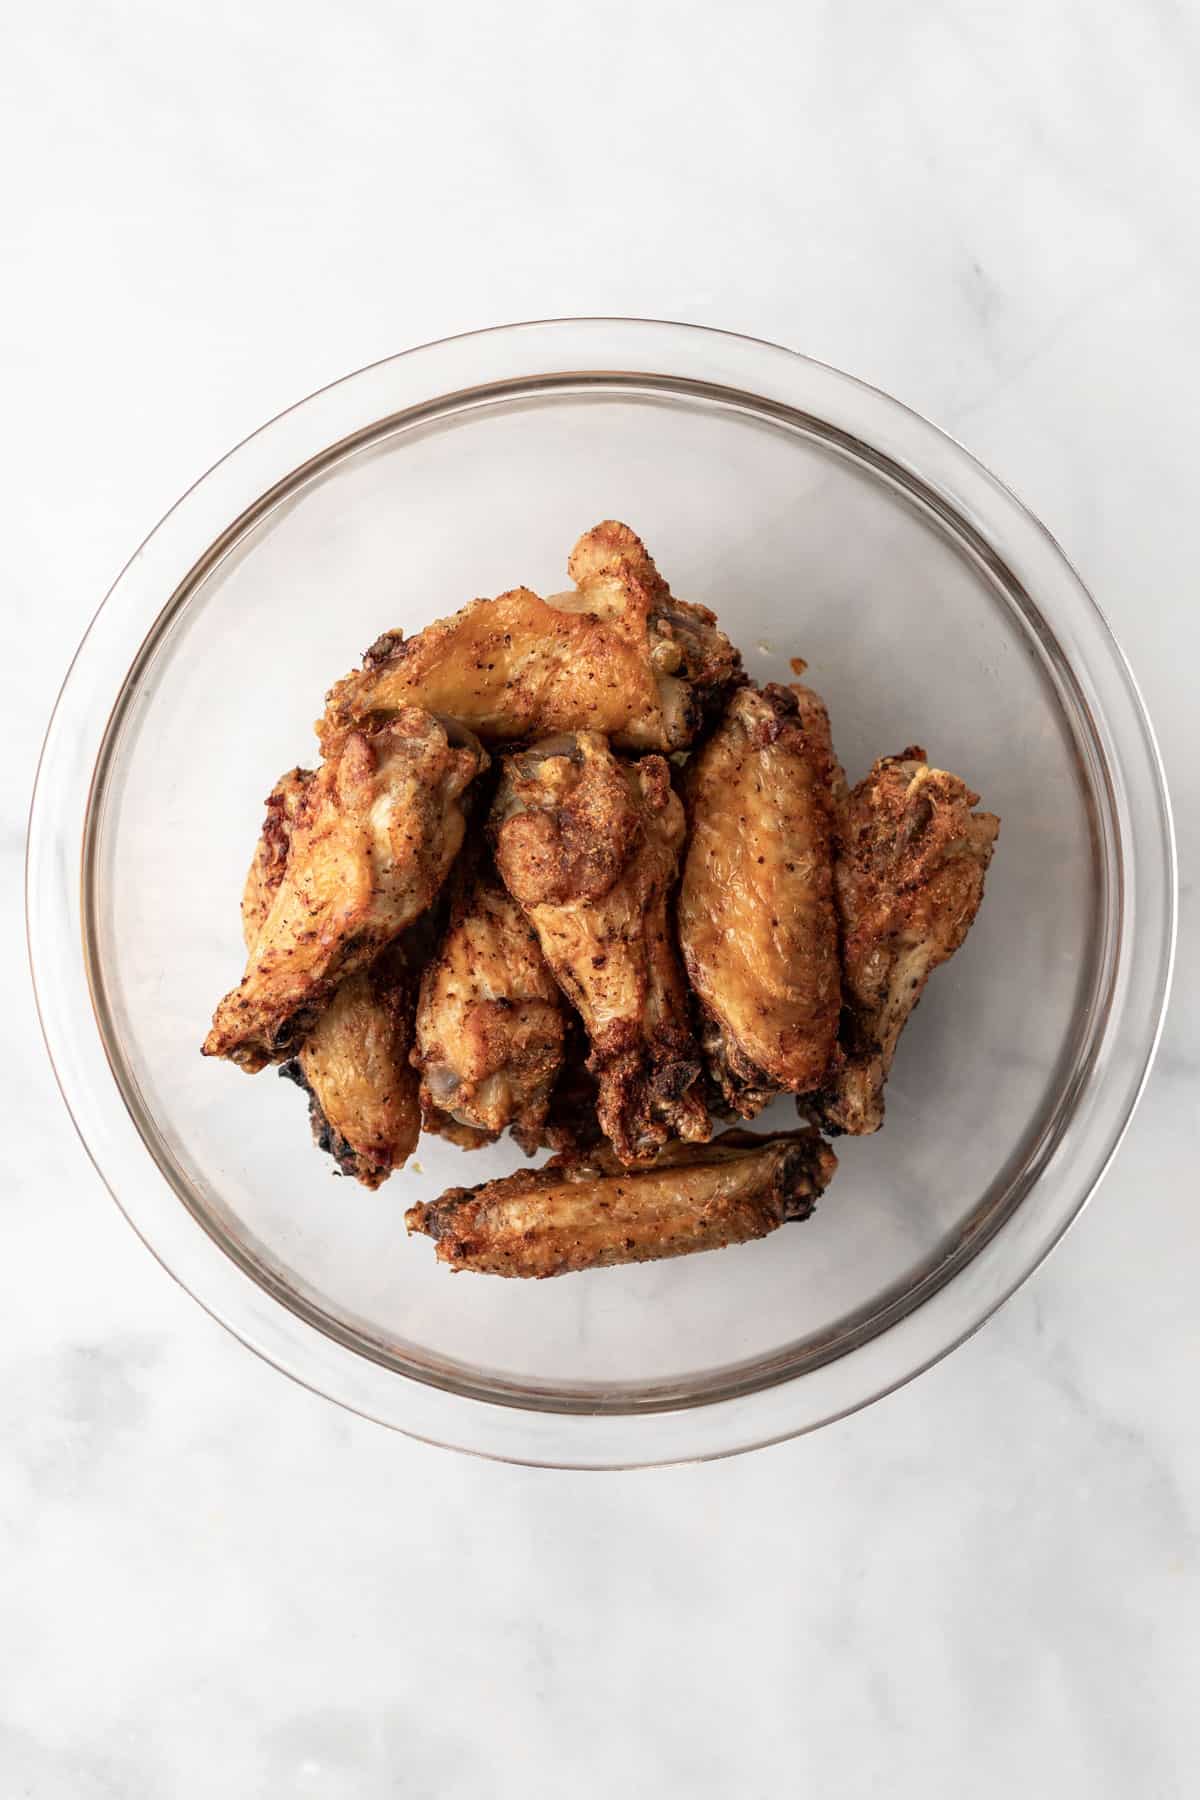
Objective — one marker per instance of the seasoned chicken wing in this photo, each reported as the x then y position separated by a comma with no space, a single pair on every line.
590,1213
489,1033
757,923
354,1065
619,654
909,879
374,838
590,847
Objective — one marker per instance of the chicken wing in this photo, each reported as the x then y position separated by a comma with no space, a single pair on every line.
590,847
590,1213
376,833
489,1032
757,923
572,1122
618,654
909,880
354,1064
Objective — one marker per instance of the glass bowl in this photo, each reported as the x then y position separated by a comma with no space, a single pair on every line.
820,519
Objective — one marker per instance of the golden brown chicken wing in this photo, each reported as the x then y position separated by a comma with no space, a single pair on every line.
489,1032
756,912
354,1063
590,1213
619,654
376,833
590,847
909,879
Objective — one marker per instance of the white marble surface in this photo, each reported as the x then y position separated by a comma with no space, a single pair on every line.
213,1583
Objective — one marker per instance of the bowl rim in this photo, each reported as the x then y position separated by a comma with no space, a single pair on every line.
203,524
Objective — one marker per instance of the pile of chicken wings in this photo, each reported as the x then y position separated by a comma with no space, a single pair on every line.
565,872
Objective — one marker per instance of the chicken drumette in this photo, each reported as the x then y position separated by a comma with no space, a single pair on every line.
590,846
489,1031
757,923
588,1212
371,843
617,654
909,875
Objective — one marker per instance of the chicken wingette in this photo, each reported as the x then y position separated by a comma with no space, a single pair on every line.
617,654
590,846
909,874
757,923
375,835
489,1028
590,1213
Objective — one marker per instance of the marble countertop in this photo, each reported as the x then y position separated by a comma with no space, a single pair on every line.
212,1582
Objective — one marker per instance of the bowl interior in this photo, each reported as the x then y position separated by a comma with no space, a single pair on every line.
805,548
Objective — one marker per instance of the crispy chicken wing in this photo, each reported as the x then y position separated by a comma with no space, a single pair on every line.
489,1034
590,1213
354,1063
909,880
757,923
375,835
590,847
618,654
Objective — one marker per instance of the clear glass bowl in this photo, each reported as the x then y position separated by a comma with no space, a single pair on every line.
820,519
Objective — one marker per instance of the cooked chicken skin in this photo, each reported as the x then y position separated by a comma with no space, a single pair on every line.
814,720
285,805
619,655
757,923
489,1031
376,834
354,1063
590,847
590,1213
909,879
633,949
